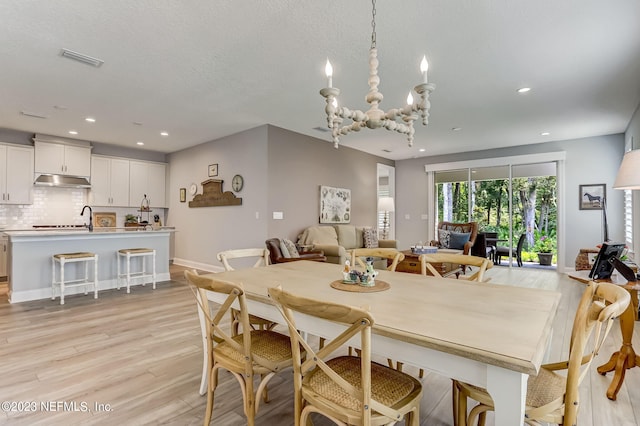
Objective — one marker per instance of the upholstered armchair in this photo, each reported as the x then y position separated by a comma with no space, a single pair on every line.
457,236
276,254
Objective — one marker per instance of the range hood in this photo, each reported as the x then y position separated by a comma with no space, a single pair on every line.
62,181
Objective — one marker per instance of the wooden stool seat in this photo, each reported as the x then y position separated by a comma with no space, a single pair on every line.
63,258
129,253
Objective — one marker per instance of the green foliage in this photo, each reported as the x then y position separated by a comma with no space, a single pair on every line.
544,243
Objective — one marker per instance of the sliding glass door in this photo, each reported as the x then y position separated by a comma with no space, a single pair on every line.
507,201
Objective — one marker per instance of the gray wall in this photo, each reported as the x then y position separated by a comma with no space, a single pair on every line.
588,161
282,171
299,164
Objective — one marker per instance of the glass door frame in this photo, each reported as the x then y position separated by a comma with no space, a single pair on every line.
558,157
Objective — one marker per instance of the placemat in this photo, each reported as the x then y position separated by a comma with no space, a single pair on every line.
357,288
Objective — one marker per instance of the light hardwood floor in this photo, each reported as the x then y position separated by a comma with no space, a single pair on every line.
139,355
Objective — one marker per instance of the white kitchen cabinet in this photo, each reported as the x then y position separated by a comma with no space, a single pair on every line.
109,181
16,174
3,255
62,159
146,178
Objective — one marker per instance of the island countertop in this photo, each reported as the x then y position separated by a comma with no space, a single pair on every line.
30,252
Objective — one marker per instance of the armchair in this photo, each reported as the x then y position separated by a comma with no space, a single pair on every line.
447,230
276,255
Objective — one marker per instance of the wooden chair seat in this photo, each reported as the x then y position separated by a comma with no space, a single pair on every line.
348,390
269,345
261,353
551,397
388,386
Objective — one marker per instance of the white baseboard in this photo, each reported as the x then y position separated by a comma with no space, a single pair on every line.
45,293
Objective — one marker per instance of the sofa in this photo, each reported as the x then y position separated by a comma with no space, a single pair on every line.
335,241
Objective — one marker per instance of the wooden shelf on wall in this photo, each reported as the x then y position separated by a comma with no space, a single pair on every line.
213,196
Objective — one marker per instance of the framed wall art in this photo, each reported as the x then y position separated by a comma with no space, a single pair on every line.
592,197
213,170
183,195
335,205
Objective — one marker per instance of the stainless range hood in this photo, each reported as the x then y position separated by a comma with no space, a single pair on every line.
62,181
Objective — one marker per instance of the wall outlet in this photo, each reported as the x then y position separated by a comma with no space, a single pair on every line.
407,216
257,215
278,215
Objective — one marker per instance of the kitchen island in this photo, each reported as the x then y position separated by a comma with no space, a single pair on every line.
29,257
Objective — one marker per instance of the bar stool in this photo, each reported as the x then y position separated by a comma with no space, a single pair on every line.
127,255
64,258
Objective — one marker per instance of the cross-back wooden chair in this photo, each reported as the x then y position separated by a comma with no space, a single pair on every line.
346,389
392,254
253,353
262,259
464,260
551,397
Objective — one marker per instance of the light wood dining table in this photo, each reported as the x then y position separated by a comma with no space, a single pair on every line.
489,335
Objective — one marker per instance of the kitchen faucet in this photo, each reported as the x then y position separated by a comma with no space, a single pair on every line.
90,226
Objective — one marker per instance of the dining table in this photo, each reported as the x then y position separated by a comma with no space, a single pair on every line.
490,335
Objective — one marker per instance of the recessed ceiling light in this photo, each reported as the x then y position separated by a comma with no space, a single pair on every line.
422,149
140,143
73,132
545,134
164,134
90,119
456,129
524,89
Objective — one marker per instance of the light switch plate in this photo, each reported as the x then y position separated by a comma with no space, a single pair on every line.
407,216
278,215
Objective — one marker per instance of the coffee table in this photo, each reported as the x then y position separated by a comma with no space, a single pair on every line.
411,264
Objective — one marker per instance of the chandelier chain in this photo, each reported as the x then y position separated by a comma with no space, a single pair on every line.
373,24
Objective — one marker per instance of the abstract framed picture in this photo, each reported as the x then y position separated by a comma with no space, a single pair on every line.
335,205
592,197
183,195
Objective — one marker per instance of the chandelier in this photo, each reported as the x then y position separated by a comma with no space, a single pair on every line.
398,119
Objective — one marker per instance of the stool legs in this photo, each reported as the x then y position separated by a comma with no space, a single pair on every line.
127,255
62,260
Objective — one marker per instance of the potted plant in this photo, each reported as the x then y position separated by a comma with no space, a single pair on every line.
130,220
544,247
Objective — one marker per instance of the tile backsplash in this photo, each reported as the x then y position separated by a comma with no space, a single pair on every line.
57,206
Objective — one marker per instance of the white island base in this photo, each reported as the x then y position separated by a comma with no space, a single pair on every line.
30,252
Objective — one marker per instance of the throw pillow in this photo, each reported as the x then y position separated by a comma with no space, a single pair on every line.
457,240
284,249
291,248
443,237
370,237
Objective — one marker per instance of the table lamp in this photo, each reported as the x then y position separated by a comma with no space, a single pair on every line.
386,205
629,171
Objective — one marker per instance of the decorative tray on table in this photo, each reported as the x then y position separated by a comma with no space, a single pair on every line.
355,287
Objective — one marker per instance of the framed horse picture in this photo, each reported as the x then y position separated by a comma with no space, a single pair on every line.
592,197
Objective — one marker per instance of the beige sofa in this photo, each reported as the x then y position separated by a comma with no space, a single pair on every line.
336,240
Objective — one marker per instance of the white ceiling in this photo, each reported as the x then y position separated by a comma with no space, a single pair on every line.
205,69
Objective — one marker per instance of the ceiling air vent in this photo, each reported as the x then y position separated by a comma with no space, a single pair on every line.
85,59
386,150
32,114
321,129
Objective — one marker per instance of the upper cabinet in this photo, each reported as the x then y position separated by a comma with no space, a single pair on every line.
146,178
109,181
16,174
62,159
